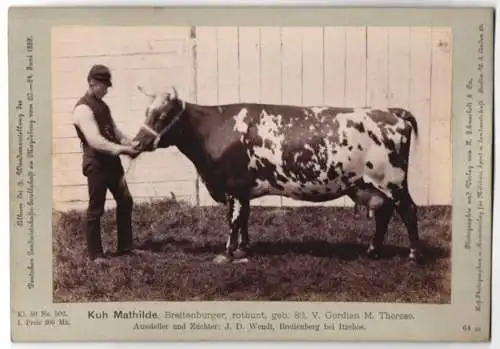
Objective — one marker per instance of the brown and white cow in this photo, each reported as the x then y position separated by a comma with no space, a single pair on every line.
248,150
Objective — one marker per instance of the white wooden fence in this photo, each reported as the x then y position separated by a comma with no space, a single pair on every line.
344,66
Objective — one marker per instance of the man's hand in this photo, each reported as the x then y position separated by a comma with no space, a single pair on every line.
126,141
130,151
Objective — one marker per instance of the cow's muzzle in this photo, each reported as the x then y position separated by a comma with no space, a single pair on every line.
146,139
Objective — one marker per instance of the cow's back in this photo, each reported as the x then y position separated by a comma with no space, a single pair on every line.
318,153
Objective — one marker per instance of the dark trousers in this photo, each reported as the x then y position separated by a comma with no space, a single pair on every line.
99,182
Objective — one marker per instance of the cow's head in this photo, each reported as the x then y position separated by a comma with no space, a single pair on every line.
161,120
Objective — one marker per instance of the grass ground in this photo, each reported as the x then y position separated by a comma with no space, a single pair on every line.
300,254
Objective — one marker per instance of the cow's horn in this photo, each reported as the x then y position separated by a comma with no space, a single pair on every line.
174,92
140,88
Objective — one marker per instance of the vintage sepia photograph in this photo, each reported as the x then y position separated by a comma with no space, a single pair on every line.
251,163
213,174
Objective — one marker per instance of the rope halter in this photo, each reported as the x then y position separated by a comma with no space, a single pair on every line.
159,135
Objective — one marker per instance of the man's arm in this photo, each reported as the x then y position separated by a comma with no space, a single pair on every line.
122,137
84,119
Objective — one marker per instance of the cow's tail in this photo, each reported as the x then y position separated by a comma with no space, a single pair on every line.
407,116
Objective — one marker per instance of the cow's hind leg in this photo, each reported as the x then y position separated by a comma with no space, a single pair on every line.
407,209
377,203
243,240
383,215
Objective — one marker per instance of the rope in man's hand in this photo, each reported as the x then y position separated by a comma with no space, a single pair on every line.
132,159
131,164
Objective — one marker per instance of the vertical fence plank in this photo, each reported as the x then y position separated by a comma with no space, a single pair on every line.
227,64
291,65
270,64
419,105
355,67
377,69
207,80
193,94
440,130
312,67
249,64
399,67
334,66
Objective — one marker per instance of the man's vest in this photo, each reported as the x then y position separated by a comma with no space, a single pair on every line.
92,156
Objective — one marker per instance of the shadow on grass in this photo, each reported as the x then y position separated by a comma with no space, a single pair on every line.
344,251
161,245
315,248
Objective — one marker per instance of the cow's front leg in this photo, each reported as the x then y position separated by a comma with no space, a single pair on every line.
233,209
237,242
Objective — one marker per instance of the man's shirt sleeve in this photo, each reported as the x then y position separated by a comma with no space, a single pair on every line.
84,119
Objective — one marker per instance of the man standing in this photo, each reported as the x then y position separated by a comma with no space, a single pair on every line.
102,143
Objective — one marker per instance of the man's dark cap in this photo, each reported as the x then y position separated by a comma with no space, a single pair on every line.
100,73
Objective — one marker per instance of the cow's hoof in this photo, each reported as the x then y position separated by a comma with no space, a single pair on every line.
240,260
416,257
373,253
221,259
240,254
